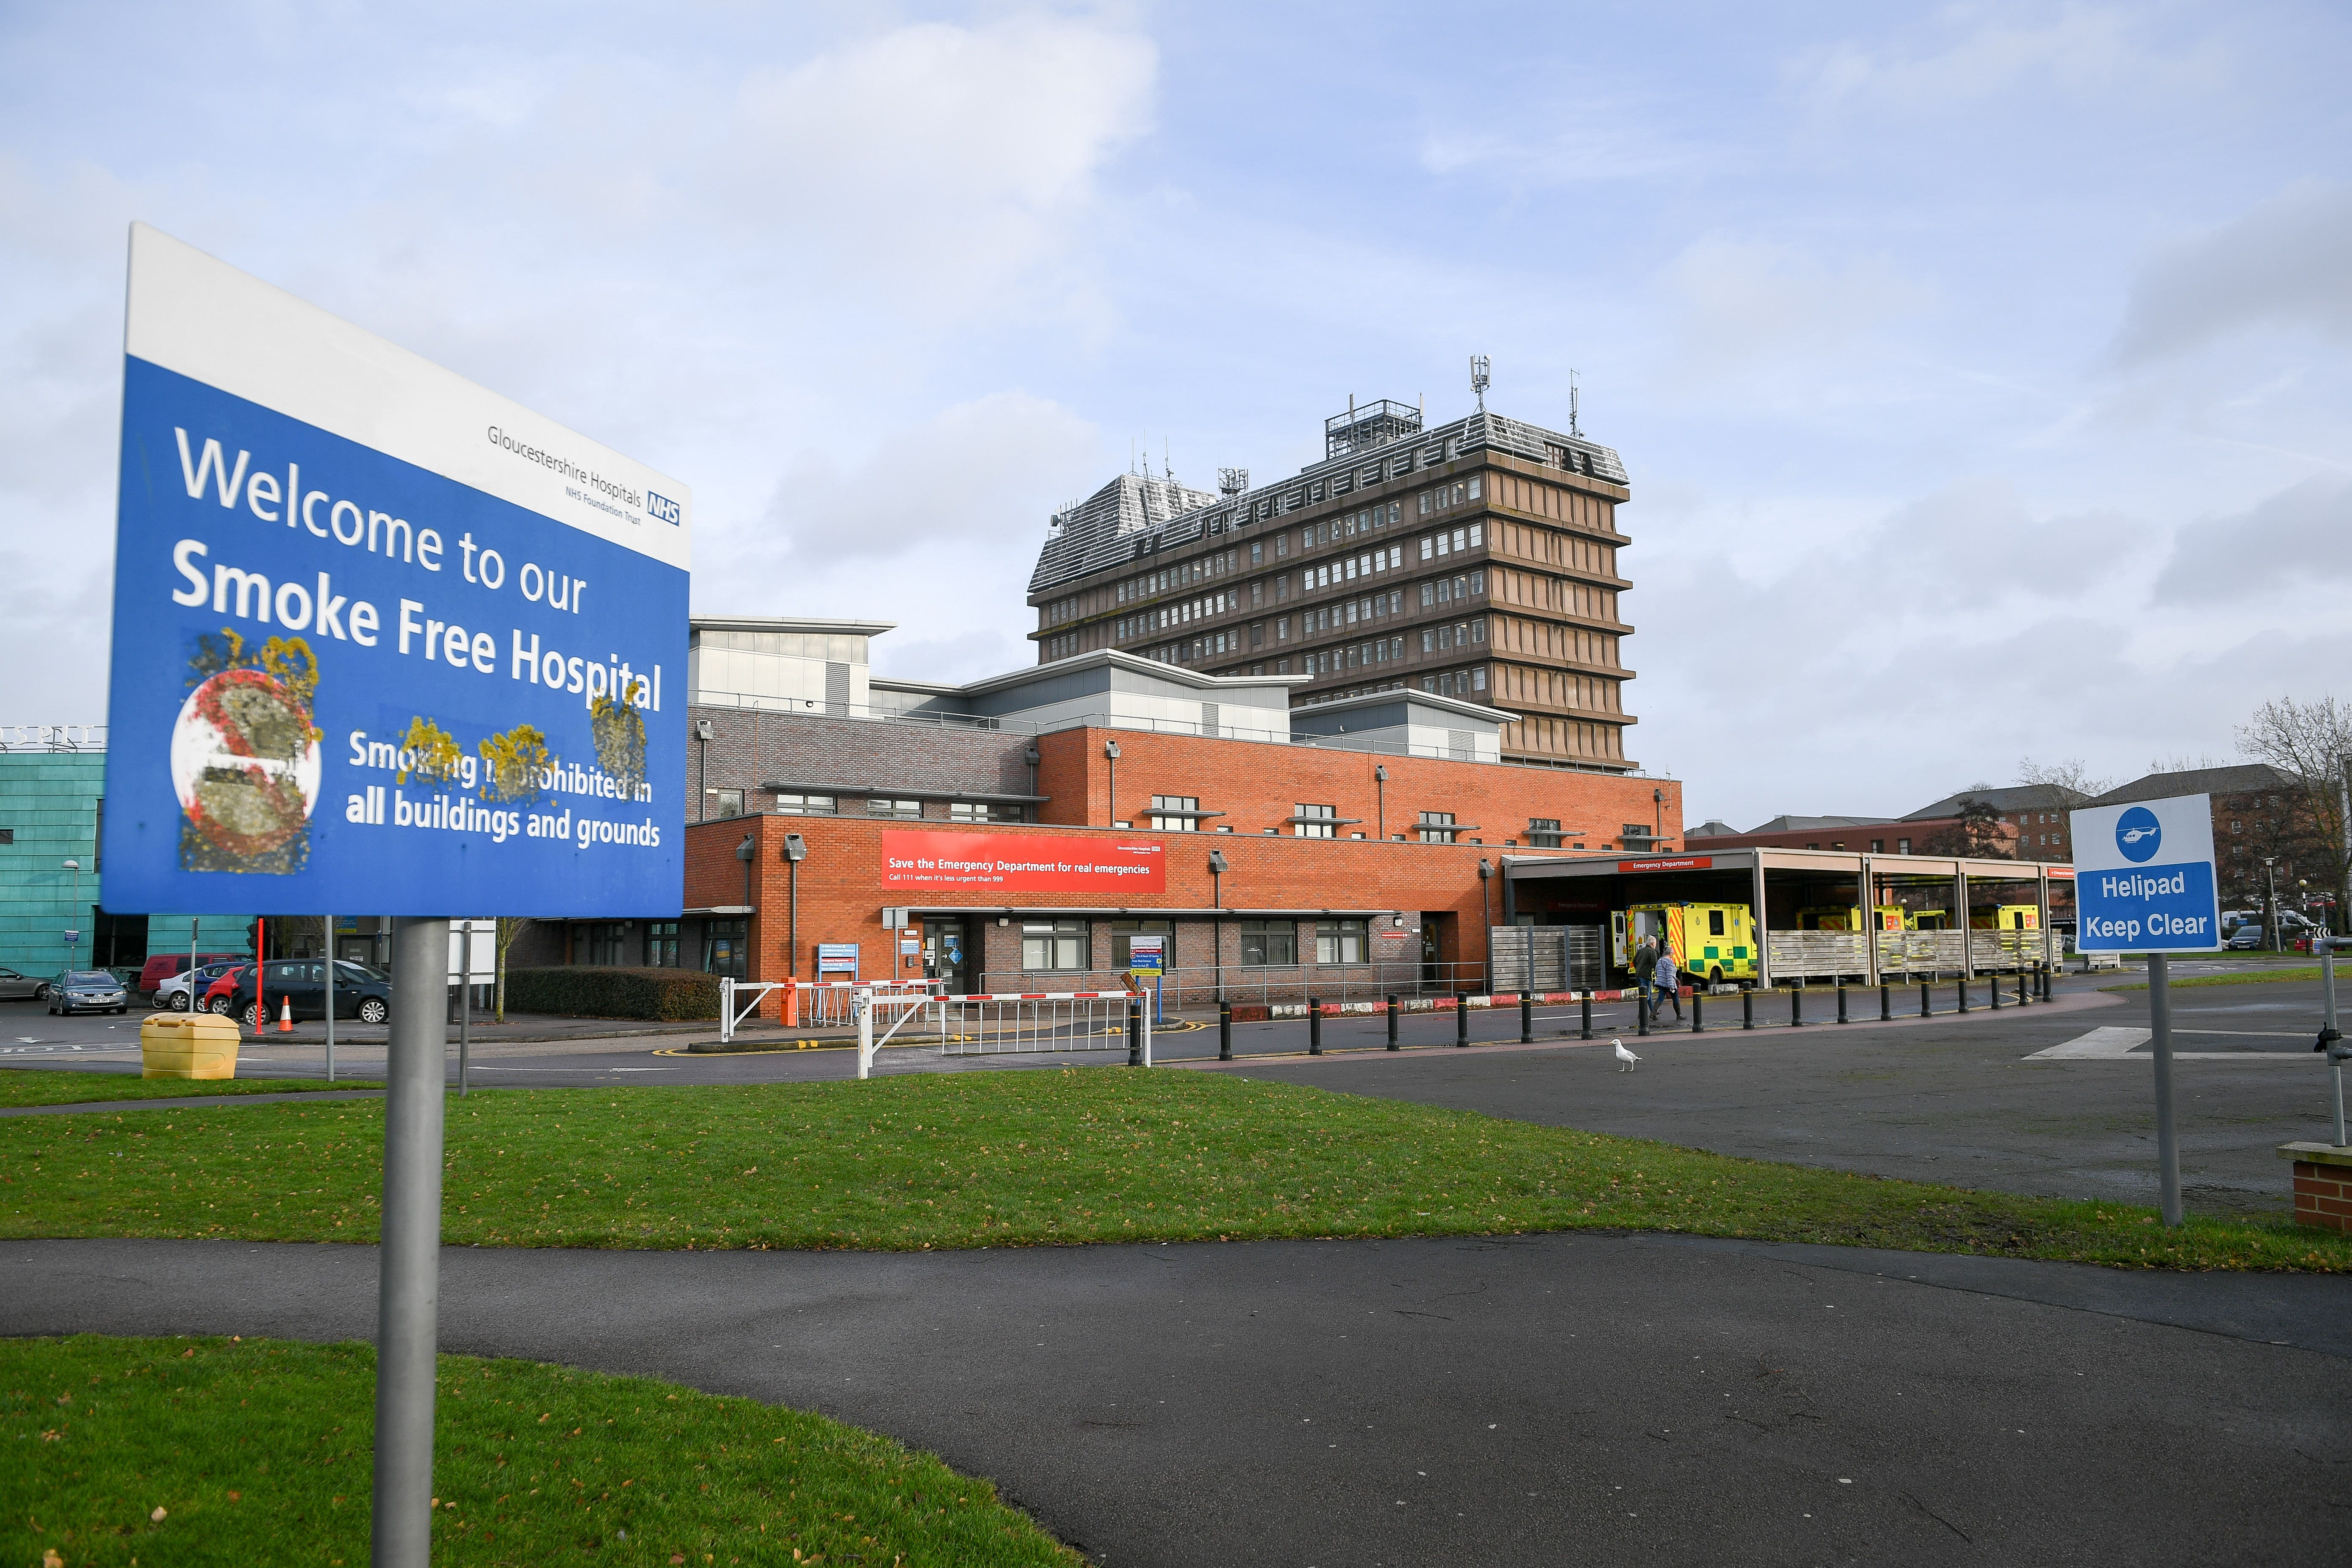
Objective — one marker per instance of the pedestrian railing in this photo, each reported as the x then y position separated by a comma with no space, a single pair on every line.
1032,1023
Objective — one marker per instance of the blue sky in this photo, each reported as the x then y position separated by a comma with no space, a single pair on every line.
1981,370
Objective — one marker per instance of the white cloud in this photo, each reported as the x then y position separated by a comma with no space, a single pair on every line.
2078,50
2288,542
2286,263
1748,305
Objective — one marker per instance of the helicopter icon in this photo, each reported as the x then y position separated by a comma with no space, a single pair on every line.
2134,836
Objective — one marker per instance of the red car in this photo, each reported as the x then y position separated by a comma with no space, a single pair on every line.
221,996
162,966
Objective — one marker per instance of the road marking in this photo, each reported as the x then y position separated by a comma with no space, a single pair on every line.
2253,1034
2098,1044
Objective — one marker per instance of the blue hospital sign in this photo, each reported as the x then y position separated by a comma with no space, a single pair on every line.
2144,878
383,639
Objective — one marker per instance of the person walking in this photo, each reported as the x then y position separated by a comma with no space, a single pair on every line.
1645,966
1668,983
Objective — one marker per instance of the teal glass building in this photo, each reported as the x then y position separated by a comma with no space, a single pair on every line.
52,791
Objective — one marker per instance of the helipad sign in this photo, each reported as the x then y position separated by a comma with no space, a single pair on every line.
2144,879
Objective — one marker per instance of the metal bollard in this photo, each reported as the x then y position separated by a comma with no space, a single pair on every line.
1461,1020
1641,1014
1698,1001
1994,986
1134,1032
1527,1017
1224,1031
1588,1014
1315,1025
1927,1007
1796,1006
2021,997
1392,1024
1961,985
1885,1002
1746,1009
1841,1017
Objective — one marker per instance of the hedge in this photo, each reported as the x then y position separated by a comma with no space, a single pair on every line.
580,992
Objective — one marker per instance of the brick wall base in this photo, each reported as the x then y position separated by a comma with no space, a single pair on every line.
2322,1195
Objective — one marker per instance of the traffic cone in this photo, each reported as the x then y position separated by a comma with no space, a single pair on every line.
285,1014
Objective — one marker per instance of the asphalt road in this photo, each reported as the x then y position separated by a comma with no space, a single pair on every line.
1553,1399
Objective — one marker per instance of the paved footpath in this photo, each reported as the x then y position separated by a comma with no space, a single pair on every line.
1555,1399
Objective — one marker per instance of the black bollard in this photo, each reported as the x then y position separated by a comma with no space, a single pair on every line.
1135,1032
1224,1031
1746,1009
1698,1001
1841,1017
2022,997
1461,1020
1641,1014
1796,1006
1393,1010
1925,1003
1885,1002
1527,1017
1992,984
1587,1006
1314,1026
1961,986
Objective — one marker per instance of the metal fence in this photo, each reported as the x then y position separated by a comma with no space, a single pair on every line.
1033,1024
1270,984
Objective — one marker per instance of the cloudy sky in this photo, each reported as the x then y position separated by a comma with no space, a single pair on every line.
1981,370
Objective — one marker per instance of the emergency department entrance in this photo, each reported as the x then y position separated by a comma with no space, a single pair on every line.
1809,914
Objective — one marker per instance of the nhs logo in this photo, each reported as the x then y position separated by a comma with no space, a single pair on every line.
663,509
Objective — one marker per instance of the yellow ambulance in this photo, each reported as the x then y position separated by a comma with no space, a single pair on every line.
1711,942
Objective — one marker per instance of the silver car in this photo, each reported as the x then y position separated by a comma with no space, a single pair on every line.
88,991
19,988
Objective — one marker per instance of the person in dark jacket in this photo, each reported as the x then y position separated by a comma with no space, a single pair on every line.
1645,968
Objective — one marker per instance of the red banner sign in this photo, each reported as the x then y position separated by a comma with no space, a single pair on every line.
1687,863
1020,863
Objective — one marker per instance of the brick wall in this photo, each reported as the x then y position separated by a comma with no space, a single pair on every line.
751,749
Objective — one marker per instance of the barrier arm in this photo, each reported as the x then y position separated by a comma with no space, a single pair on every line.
863,1001
730,1016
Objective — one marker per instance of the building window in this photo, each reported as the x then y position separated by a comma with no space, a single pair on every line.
1877,847
1323,823
798,804
1437,827
903,810
1054,944
1266,942
661,944
724,802
1543,832
1176,824
606,939
1339,942
982,811
1122,935
1903,846
726,947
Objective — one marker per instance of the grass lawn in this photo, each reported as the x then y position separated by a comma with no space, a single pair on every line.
207,1451
30,1086
1013,1157
2251,977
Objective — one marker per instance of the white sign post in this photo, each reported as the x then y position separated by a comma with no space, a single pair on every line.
2144,882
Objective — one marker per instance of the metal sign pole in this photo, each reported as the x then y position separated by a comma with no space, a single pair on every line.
2329,1035
329,921
466,1009
2168,1146
409,1260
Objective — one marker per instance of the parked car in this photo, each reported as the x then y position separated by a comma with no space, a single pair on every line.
2247,937
361,993
88,991
162,966
19,987
219,995
173,991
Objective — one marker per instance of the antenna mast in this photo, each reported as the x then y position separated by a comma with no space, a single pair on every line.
1479,378
1571,402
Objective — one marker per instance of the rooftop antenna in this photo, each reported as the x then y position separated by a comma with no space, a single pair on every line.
1232,481
1571,402
1167,460
1479,366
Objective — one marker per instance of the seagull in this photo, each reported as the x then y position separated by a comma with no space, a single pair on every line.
1628,1057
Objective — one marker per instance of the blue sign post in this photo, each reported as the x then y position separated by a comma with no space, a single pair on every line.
382,640
2144,882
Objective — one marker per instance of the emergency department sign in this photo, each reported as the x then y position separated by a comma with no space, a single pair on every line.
2144,878
383,639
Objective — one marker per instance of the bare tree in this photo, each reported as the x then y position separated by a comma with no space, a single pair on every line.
510,927
2183,763
2312,744
2070,773
1975,831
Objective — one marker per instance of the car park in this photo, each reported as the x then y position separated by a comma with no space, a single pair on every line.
301,986
88,991
161,967
173,991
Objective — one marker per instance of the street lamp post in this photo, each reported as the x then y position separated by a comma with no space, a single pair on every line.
1110,753
796,851
1217,869
2270,898
73,933
1380,809
1486,935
